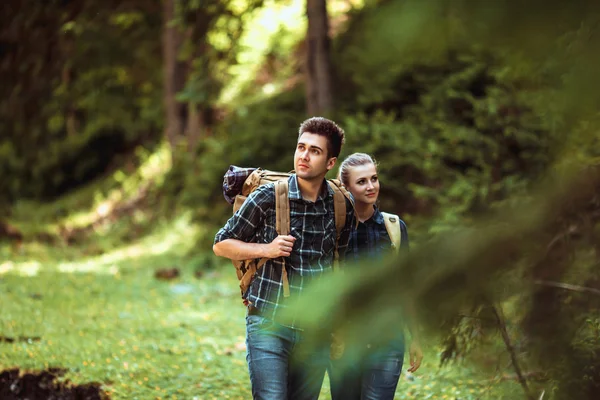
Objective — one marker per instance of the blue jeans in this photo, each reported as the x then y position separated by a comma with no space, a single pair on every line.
373,378
281,364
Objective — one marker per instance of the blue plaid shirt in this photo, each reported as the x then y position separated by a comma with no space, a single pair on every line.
371,240
313,226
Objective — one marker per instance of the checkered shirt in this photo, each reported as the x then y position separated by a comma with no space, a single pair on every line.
370,239
313,226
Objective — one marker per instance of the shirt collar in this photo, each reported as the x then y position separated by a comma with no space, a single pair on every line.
377,216
294,190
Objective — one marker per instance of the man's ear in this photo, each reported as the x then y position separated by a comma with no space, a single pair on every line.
331,162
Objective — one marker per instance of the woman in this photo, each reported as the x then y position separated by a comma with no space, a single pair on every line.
376,375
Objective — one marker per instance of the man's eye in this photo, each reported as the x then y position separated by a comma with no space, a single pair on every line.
315,151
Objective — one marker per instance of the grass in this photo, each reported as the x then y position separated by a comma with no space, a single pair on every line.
107,319
88,204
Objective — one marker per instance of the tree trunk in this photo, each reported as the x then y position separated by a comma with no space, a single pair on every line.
195,126
319,95
173,76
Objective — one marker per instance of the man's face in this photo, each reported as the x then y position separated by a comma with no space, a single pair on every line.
311,160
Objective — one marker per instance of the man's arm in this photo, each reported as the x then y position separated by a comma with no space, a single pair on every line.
235,249
234,240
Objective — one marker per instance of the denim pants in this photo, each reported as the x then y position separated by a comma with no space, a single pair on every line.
375,377
281,364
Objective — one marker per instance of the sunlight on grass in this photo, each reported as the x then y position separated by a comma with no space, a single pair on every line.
177,236
152,170
173,237
26,268
89,204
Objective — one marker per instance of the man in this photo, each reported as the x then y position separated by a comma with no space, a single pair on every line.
281,365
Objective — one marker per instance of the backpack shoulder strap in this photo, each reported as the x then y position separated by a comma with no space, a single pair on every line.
392,225
282,207
340,194
282,223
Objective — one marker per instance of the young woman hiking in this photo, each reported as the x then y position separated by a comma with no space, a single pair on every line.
376,375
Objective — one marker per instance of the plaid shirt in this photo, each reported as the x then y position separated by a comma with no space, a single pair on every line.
313,226
371,240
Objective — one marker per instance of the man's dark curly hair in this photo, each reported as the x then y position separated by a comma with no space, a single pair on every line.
324,127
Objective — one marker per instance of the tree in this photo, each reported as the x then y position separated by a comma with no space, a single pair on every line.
200,43
173,74
319,94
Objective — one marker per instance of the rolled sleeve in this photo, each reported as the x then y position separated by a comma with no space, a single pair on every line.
244,224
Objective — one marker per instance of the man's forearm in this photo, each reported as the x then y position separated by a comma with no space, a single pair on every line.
237,250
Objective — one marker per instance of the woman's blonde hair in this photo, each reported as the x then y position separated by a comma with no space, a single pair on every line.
353,160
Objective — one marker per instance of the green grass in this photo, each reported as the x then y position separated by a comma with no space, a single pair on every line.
105,318
88,204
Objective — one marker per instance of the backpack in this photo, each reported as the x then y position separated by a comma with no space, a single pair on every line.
252,179
392,226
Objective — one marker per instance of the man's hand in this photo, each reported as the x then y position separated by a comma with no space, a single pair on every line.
416,356
281,246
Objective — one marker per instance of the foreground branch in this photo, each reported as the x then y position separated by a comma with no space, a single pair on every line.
568,286
511,350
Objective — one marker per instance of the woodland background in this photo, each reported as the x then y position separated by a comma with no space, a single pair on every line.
118,120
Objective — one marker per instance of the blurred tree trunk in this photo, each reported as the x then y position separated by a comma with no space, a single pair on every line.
173,75
199,108
66,44
195,126
319,94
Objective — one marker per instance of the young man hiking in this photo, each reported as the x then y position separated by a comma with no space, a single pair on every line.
281,365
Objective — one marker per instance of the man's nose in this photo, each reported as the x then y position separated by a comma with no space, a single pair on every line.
304,155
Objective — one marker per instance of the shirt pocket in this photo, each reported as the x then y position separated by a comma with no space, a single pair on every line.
315,235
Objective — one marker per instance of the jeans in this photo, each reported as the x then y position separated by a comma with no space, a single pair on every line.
373,378
281,364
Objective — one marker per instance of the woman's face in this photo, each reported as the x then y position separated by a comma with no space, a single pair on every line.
363,183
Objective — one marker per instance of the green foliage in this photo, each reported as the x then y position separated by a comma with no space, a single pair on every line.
211,45
465,105
256,135
452,137
67,117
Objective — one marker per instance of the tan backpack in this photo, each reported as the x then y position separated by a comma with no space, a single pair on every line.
392,226
246,269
